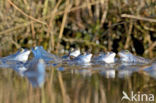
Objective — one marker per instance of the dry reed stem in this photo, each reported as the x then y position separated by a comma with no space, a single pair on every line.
33,31
15,28
22,12
30,94
51,93
96,95
88,99
138,18
78,15
79,7
89,8
77,92
50,86
45,7
50,26
97,11
44,18
130,86
149,28
15,43
68,6
105,10
53,14
1,96
38,96
26,3
63,90
109,37
103,95
151,47
43,100
129,35
52,76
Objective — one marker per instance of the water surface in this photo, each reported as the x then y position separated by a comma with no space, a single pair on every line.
77,83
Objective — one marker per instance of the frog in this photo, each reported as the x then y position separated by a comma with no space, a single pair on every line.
108,57
40,53
21,56
84,58
72,54
128,57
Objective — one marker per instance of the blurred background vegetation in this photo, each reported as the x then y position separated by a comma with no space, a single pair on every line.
91,25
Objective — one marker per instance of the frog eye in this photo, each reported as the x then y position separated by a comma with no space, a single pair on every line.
84,53
36,48
126,51
72,49
21,50
108,53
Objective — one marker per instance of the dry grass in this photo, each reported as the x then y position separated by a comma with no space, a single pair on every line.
102,24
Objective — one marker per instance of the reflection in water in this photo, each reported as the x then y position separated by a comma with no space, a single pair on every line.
93,83
151,70
126,70
36,72
124,73
83,72
60,69
15,65
90,84
109,70
109,73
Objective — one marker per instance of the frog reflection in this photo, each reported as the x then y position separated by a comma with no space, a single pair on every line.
36,72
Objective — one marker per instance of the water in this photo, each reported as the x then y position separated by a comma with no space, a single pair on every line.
75,84
41,81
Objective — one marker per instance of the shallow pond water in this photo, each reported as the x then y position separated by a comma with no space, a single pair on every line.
79,84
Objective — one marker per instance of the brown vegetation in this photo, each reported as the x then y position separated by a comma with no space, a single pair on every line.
95,25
